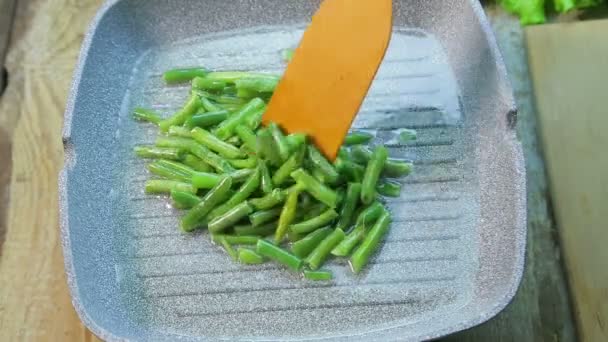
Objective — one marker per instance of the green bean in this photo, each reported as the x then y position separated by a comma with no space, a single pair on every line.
196,163
315,188
407,135
217,162
183,74
249,257
160,186
288,214
159,152
263,230
315,223
344,153
236,240
278,254
293,163
281,145
393,167
248,163
206,119
143,114
215,196
171,170
318,275
228,247
205,180
226,129
357,138
350,241
372,174
246,93
306,245
210,106
235,141
193,104
352,171
317,257
266,147
295,140
312,211
264,216
242,194
362,254
179,131
232,76
247,136
389,188
229,218
257,84
230,107
327,171
184,200
213,143
271,200
175,142
254,120
208,84
240,176
265,179
351,200
370,214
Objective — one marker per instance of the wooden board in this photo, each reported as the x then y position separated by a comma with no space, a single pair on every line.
569,68
7,9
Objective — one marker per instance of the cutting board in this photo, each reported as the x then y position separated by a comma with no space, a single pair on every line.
569,70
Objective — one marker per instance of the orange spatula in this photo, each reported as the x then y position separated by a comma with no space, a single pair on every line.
332,70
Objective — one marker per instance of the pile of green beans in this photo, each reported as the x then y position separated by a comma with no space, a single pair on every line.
261,193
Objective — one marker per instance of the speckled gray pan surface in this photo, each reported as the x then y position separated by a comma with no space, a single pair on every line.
454,255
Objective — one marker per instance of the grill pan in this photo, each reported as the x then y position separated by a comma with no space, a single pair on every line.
454,255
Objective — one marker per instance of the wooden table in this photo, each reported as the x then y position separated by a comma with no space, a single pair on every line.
34,300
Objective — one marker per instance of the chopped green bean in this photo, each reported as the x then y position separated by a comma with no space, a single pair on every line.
143,114
207,119
179,131
228,247
317,257
213,143
229,218
267,148
295,140
218,163
226,129
249,257
232,76
236,240
351,240
264,216
247,136
392,168
306,245
193,104
210,106
242,194
160,186
248,163
208,84
184,200
314,223
205,180
254,120
263,230
196,163
318,275
214,197
175,142
281,145
240,176
351,171
265,179
389,188
351,200
159,152
357,138
315,188
271,200
278,254
370,214
171,170
288,214
183,75
362,254
292,164
327,171
257,84
372,174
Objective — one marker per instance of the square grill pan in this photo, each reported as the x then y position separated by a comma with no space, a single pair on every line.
455,253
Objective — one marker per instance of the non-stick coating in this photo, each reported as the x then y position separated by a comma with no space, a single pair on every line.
453,258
